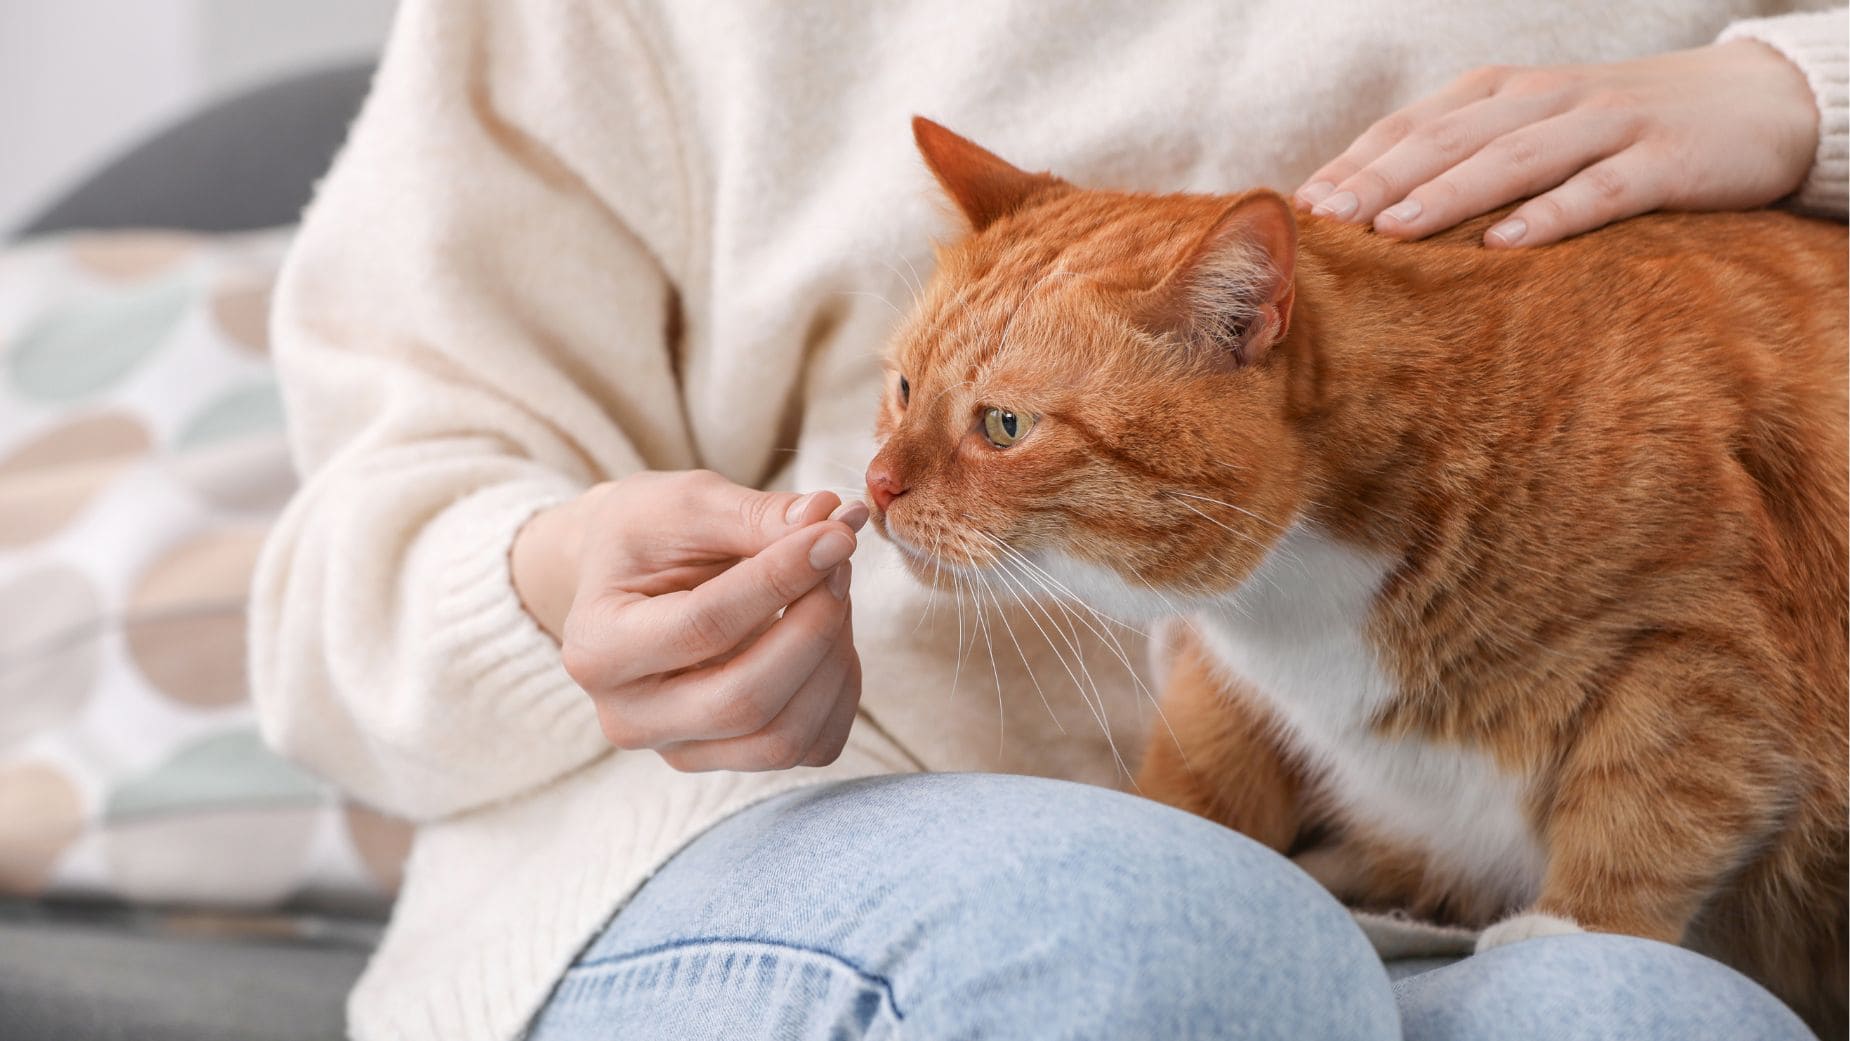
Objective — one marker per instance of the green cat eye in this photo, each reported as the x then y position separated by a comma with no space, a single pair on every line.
1004,428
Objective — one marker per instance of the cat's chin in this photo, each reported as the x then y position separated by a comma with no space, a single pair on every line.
1047,575
932,572
1104,589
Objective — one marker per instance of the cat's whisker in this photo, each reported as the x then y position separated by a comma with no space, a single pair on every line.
1076,645
1280,528
1174,608
1068,594
918,284
1065,599
873,295
1111,640
947,390
1269,580
1223,525
1002,612
810,453
1063,590
931,590
982,622
914,285
1029,605
957,585
1117,649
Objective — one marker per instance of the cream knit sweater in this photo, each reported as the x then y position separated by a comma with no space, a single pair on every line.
574,238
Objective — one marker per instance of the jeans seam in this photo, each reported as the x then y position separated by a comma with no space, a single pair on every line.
885,985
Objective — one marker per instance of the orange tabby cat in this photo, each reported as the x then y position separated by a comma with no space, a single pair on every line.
1515,580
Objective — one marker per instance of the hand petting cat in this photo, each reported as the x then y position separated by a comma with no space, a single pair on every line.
664,592
1727,126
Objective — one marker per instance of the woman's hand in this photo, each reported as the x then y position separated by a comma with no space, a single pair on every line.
1729,126
664,589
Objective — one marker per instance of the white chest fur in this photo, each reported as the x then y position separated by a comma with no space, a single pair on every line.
1295,635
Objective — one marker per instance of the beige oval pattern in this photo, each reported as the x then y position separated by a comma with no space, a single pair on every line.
255,857
41,815
250,474
382,842
50,625
46,482
185,621
241,309
132,255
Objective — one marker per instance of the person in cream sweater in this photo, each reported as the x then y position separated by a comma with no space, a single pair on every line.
579,349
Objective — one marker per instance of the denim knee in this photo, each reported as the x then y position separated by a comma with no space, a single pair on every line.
1184,915
989,896
1591,986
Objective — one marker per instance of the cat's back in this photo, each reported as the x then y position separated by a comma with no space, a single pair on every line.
1781,278
1706,355
1670,389
1736,320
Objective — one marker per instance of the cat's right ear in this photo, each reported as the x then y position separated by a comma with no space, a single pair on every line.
984,186
1232,293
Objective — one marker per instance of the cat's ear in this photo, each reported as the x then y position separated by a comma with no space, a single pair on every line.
984,186
1233,291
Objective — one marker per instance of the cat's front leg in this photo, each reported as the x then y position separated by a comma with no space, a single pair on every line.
1658,800
1217,754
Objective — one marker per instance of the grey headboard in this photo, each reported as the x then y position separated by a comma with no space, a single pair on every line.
249,161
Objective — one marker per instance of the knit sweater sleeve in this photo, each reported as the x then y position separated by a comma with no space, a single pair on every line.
1819,44
470,326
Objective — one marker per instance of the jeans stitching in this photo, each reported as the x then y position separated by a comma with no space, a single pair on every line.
885,985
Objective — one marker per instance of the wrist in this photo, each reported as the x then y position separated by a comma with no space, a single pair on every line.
543,563
1793,117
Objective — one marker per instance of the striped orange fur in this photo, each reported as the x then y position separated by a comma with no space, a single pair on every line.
1517,579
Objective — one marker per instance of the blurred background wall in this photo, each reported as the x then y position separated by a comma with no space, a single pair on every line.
80,79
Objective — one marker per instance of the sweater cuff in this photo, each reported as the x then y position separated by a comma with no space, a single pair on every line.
1819,45
488,649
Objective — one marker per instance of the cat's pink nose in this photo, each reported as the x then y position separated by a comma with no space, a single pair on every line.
883,484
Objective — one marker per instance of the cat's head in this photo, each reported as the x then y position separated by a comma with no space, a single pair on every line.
1092,397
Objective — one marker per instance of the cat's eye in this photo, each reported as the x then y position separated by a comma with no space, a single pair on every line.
1004,428
905,391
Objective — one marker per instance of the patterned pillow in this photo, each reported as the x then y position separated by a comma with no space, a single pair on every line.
141,459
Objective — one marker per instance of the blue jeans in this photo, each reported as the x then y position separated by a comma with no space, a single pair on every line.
975,906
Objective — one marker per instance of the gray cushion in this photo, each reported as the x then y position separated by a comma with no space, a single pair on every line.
96,979
250,161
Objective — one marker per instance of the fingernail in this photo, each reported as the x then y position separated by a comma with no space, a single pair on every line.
796,508
1340,206
1402,211
1509,232
830,550
853,514
1313,193
838,582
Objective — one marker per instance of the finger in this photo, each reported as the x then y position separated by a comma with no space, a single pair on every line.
679,630
750,641
834,736
1439,145
788,739
1612,189
1516,165
1385,133
743,695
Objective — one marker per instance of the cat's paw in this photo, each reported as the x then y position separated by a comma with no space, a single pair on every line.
1525,927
